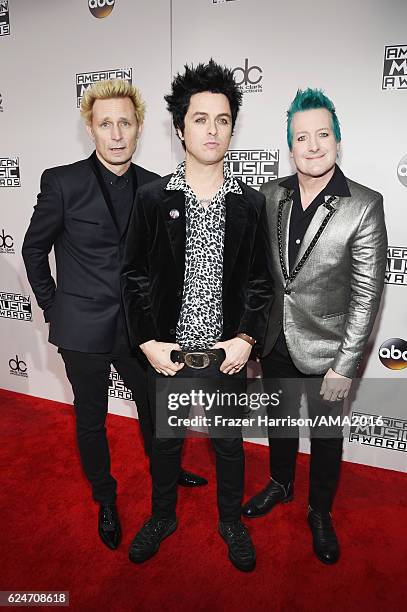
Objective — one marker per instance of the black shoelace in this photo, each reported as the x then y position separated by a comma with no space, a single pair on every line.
240,541
150,533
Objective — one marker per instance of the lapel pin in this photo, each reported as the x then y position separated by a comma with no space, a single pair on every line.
174,213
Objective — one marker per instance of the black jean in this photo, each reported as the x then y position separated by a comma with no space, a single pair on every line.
166,457
326,452
88,374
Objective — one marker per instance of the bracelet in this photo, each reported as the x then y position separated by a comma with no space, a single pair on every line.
247,338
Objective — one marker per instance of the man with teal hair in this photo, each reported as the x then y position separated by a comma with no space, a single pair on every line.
328,269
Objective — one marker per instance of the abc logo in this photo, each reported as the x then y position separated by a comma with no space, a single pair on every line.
249,75
402,171
6,241
101,8
393,354
17,365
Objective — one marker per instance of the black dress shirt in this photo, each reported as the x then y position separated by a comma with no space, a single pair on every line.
300,218
121,192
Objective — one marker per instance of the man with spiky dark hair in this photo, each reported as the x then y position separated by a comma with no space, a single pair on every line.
87,228
328,268
196,288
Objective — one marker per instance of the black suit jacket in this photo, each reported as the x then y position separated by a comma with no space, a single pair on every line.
74,215
153,272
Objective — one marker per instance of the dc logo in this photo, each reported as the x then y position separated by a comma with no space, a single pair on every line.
6,241
402,171
101,8
17,365
250,75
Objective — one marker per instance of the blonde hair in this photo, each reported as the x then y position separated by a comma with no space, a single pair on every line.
113,88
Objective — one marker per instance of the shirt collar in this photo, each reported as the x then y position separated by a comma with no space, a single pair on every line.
177,181
338,184
111,178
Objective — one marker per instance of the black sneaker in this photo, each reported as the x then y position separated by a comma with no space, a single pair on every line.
241,549
148,539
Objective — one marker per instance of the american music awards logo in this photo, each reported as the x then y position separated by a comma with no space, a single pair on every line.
254,166
395,67
86,79
396,266
391,434
117,388
4,18
10,172
15,306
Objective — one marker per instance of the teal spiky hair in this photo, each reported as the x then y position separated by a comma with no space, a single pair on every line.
309,99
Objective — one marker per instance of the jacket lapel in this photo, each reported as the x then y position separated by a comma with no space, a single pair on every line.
236,220
105,192
173,211
283,229
318,219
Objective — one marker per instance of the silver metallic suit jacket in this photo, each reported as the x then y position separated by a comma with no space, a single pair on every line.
328,302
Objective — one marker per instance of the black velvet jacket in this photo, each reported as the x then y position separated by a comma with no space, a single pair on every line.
154,261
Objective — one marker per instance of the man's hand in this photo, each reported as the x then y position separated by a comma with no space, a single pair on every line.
335,386
237,353
159,356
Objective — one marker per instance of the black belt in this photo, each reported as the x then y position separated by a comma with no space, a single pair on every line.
199,359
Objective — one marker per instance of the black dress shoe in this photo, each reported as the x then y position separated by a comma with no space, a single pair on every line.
187,479
241,549
274,493
109,526
148,539
325,542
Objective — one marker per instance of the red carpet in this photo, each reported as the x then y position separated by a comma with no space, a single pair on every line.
49,535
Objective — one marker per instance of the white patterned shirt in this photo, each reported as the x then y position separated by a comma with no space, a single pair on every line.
200,324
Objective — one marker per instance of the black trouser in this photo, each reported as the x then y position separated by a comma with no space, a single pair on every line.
88,374
166,458
326,452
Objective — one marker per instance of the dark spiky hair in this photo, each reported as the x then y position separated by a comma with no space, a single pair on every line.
204,77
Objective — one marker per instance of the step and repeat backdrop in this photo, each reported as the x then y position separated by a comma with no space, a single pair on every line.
52,50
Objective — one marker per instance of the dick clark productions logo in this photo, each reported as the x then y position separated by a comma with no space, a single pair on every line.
6,243
101,8
248,78
393,354
18,367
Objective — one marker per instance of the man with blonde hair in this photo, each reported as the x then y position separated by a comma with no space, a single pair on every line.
83,211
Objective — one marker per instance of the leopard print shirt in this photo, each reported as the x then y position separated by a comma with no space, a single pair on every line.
200,323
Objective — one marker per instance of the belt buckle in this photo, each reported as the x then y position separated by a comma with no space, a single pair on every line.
190,360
